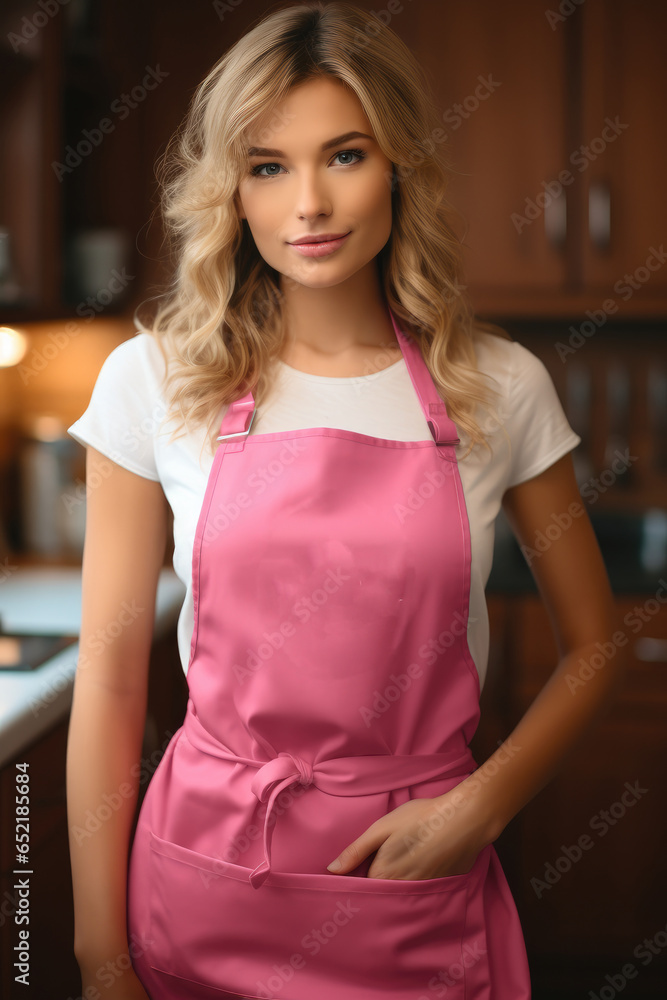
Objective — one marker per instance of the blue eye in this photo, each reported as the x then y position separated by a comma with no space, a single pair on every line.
256,170
355,152
359,153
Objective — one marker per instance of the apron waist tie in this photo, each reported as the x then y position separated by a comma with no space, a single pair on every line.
358,775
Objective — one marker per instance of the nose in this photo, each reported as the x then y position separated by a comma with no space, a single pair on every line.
312,198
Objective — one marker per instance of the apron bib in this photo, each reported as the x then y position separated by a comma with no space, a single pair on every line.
330,680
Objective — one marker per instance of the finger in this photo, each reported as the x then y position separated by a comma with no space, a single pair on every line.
352,856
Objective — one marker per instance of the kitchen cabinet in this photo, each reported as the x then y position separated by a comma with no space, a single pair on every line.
548,114
72,112
53,968
622,49
30,211
585,858
550,119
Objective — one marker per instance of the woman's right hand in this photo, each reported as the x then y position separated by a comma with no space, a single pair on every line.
126,987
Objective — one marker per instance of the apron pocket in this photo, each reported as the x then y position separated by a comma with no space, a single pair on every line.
302,936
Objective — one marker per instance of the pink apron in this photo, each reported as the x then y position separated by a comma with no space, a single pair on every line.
329,681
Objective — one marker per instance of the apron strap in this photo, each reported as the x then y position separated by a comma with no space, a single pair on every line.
441,426
240,414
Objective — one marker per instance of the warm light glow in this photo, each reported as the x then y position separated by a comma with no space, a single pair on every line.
13,346
47,428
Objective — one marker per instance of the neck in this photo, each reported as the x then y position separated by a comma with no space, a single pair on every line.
346,317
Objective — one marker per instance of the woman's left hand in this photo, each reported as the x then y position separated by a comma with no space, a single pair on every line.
422,838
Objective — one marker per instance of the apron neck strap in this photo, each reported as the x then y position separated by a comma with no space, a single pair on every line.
441,426
240,413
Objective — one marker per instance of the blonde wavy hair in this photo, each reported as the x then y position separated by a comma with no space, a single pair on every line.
221,317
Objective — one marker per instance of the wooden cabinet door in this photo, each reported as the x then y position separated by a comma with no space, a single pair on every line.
625,83
499,75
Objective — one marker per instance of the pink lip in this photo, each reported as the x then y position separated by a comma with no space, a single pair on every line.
322,249
318,238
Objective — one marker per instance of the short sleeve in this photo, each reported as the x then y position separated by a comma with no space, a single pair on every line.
536,423
125,408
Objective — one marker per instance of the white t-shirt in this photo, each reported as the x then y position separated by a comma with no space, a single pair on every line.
125,420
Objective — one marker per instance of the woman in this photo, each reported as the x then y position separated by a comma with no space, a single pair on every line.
318,827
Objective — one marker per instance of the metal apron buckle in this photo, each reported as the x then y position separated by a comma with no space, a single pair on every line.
244,433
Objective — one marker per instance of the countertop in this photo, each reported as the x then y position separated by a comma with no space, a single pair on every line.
47,601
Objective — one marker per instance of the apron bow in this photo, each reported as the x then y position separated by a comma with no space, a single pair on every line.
360,775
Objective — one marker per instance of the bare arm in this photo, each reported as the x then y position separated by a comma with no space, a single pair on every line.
126,531
573,583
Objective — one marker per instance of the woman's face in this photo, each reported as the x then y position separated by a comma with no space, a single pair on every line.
294,188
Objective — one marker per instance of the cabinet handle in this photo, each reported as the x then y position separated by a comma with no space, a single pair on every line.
555,220
650,650
599,214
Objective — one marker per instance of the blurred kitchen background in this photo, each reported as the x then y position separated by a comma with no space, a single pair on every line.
553,117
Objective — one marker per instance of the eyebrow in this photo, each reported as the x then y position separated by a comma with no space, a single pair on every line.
262,151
